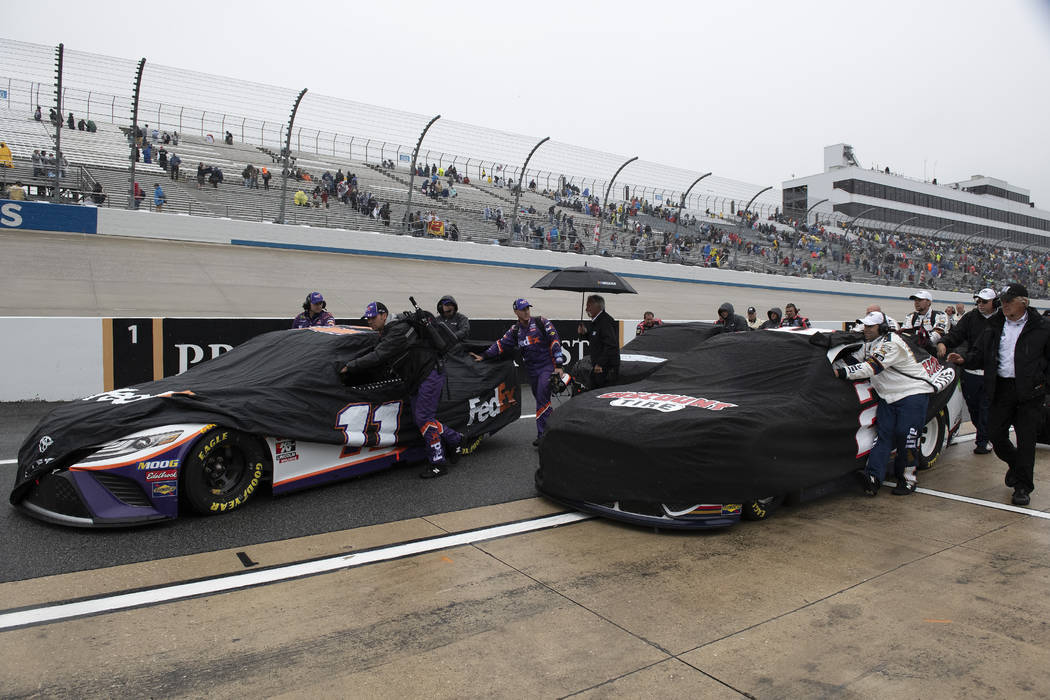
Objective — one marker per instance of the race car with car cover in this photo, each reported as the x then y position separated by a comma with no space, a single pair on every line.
270,413
708,427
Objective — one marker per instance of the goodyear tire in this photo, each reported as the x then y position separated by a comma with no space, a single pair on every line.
223,470
934,436
760,509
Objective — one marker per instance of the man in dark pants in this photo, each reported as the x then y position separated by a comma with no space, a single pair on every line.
966,331
1014,352
603,344
417,363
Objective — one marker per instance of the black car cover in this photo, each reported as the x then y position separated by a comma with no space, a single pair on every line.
734,417
279,384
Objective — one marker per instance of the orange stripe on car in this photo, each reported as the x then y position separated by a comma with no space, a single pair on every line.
396,452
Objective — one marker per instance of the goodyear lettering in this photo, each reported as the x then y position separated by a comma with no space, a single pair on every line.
158,464
248,491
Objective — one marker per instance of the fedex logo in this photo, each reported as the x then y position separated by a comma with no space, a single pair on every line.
483,409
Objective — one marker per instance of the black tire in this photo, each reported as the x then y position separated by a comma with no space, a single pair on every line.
760,509
933,439
223,470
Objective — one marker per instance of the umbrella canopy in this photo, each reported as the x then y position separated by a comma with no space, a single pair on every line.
585,279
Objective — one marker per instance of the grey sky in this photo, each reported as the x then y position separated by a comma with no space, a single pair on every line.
751,90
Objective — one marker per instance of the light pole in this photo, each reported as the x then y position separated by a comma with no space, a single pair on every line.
56,195
682,204
747,208
898,227
847,227
805,220
287,153
412,168
605,201
133,157
521,183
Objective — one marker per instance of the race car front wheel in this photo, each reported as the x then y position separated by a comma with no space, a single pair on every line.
761,508
223,470
931,443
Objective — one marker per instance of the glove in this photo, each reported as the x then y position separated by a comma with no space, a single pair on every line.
840,373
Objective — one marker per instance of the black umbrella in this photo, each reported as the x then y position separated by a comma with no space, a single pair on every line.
585,279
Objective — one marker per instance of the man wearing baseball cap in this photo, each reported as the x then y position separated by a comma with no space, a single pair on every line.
314,313
753,322
903,397
1014,352
541,354
414,360
966,332
927,323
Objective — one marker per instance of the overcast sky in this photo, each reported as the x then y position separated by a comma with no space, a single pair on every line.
751,90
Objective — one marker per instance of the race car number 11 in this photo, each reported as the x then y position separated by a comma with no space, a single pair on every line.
365,425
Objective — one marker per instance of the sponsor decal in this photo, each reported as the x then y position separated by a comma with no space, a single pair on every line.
731,508
481,409
665,403
119,397
286,451
45,443
163,489
207,447
164,475
248,490
159,464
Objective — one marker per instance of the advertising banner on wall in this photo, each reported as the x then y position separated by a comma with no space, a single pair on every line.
41,216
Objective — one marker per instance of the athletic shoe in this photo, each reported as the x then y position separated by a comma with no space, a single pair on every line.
903,487
467,449
536,442
433,470
452,454
871,485
1020,497
982,449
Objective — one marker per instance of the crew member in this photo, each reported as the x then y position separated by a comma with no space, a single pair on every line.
414,360
603,343
1014,352
752,319
792,319
966,332
448,313
903,397
773,316
649,320
314,313
541,354
731,320
928,324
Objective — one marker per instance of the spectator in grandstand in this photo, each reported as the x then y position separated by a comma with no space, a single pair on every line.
266,178
300,199
173,166
6,159
448,314
315,313
752,319
229,139
649,321
97,195
216,177
138,195
147,153
165,138
773,317
52,116
91,128
81,125
966,332
731,320
174,138
71,122
36,115
200,175
162,158
16,192
159,200
38,164
792,319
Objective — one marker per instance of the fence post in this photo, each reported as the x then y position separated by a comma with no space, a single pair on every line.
243,119
180,117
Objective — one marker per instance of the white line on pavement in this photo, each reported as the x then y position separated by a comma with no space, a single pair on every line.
986,504
8,461
165,594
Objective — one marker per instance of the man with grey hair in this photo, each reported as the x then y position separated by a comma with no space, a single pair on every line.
603,343
1014,352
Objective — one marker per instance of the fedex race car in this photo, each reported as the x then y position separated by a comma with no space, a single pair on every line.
269,414
708,427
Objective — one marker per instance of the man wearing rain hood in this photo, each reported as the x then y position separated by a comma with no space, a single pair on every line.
448,313
730,319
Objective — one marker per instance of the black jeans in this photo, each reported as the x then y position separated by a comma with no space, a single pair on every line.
1025,417
977,404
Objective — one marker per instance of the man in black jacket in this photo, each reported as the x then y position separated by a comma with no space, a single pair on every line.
732,321
414,360
1014,352
603,343
966,331
448,313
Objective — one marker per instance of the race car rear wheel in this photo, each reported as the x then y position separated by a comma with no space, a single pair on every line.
224,469
761,508
931,443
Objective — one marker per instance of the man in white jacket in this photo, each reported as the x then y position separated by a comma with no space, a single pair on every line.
903,384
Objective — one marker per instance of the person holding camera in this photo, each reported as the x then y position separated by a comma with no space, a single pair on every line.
416,362
903,398
966,331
